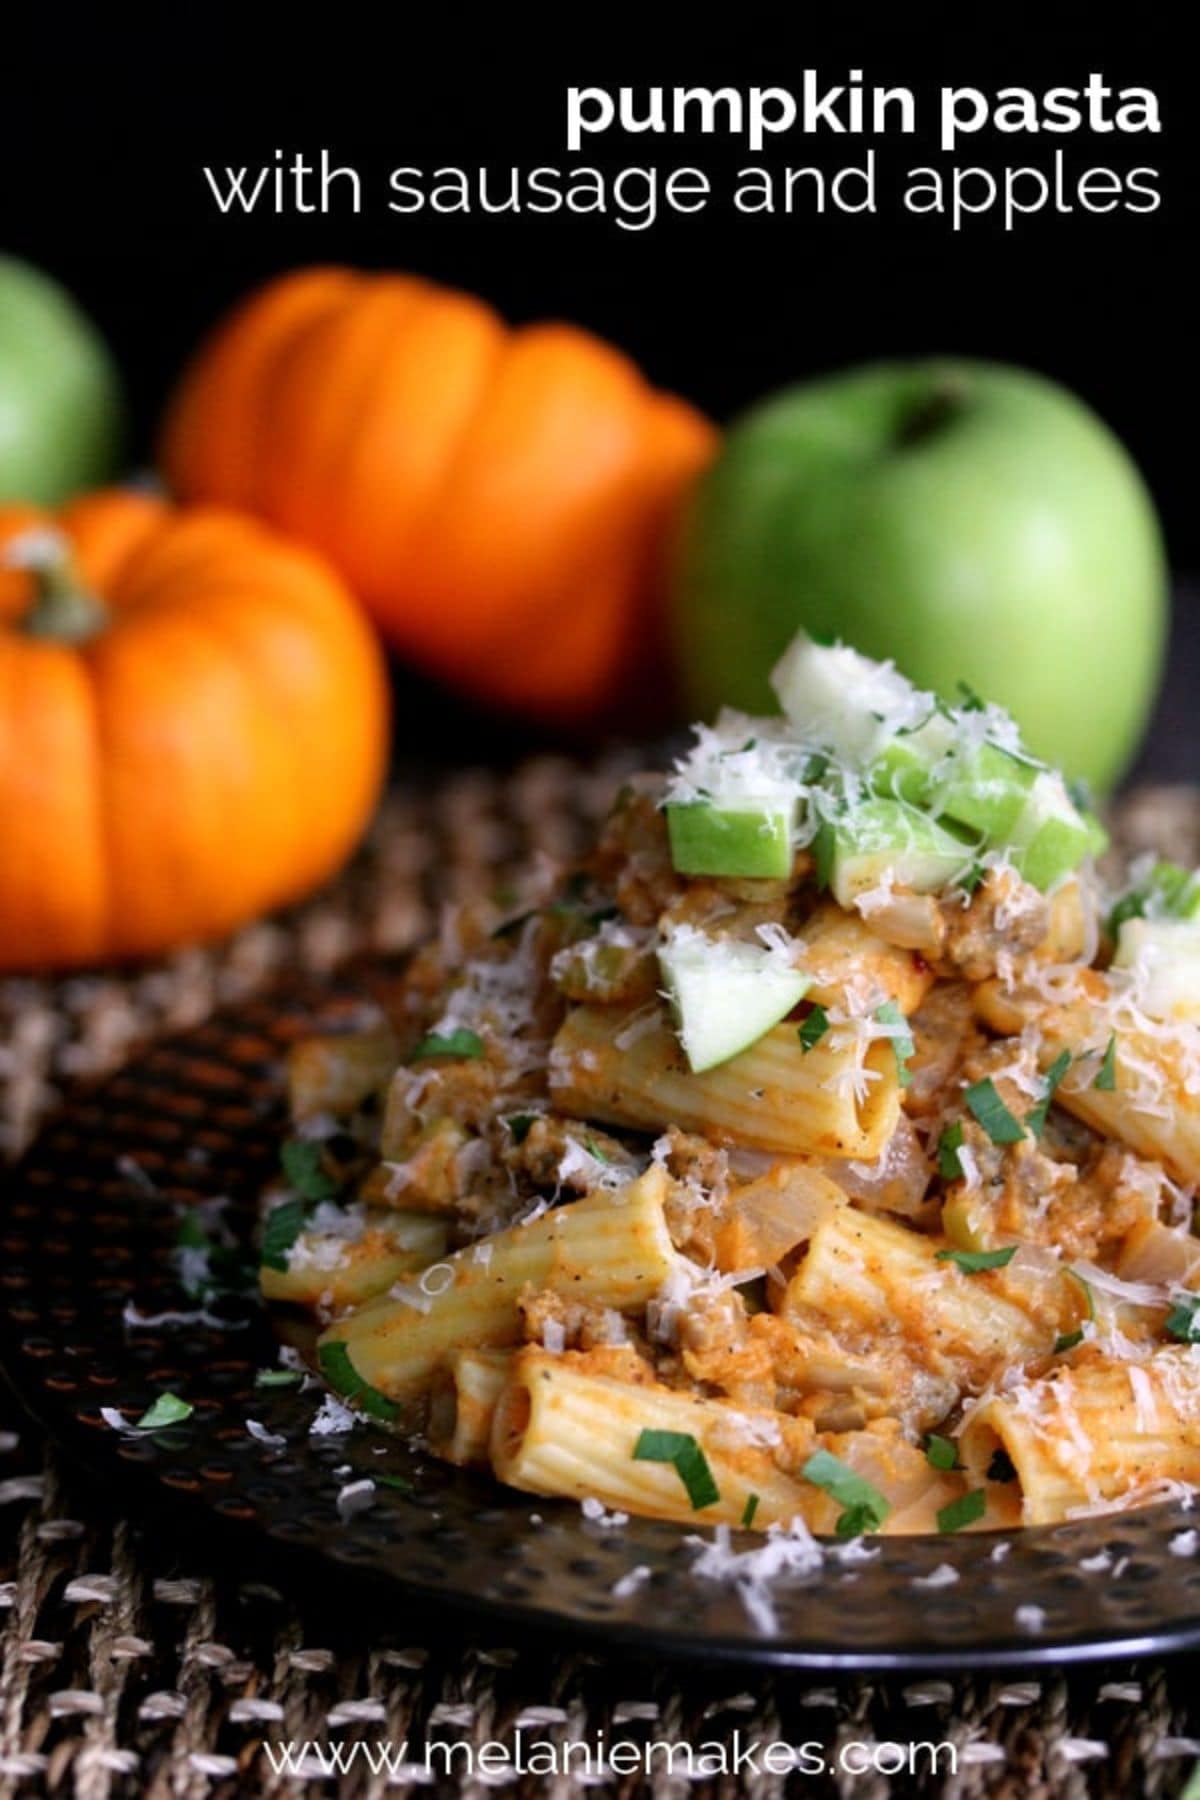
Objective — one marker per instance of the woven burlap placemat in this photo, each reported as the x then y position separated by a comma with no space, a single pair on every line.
129,1665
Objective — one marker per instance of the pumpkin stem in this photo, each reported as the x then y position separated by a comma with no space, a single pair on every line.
62,608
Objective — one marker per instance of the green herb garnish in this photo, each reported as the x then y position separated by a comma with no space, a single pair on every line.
974,1262
864,1507
902,1043
1067,1341
1106,1080
276,1378
993,1115
520,1125
749,1510
401,1485
941,1452
963,1511
342,1376
281,1227
813,1029
596,1151
1183,1320
451,1043
680,1449
1036,1117
305,1171
168,1409
949,1145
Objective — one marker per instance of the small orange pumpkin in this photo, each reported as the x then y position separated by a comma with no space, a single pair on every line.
193,726
499,498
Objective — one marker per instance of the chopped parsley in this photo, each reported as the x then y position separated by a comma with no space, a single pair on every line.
1183,1320
305,1171
963,1511
902,1043
451,1043
168,1409
813,1029
1069,1340
974,1262
281,1227
680,1449
1036,1117
344,1379
949,1145
864,1507
1106,1080
993,1115
401,1484
520,1125
941,1452
749,1510
276,1378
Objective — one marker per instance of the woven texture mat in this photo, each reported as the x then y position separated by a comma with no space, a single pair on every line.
128,1666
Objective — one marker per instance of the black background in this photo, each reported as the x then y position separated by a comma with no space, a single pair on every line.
108,121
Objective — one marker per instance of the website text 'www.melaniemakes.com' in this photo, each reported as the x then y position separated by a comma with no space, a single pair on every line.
597,1757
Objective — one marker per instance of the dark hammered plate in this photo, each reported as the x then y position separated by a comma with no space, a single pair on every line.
88,1229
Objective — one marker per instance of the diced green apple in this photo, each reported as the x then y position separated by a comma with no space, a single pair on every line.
904,768
987,790
1168,891
882,838
1166,954
742,840
725,995
1052,837
835,697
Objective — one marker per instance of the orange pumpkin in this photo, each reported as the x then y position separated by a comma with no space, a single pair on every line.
499,498
193,726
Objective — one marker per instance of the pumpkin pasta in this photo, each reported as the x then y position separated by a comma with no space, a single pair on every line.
821,1148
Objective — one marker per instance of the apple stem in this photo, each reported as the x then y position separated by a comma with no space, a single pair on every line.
933,410
61,608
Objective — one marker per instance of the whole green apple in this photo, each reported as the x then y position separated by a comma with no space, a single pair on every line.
60,400
973,522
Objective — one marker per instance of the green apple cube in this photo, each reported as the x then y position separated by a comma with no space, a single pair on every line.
903,770
725,995
884,838
1166,955
844,701
987,791
709,839
1052,837
1168,891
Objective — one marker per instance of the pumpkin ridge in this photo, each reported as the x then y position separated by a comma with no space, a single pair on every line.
356,394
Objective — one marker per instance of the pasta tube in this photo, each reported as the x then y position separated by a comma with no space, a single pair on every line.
846,960
338,1074
631,1071
1093,1433
560,1430
464,1399
614,1249
331,1269
875,1279
1152,1102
